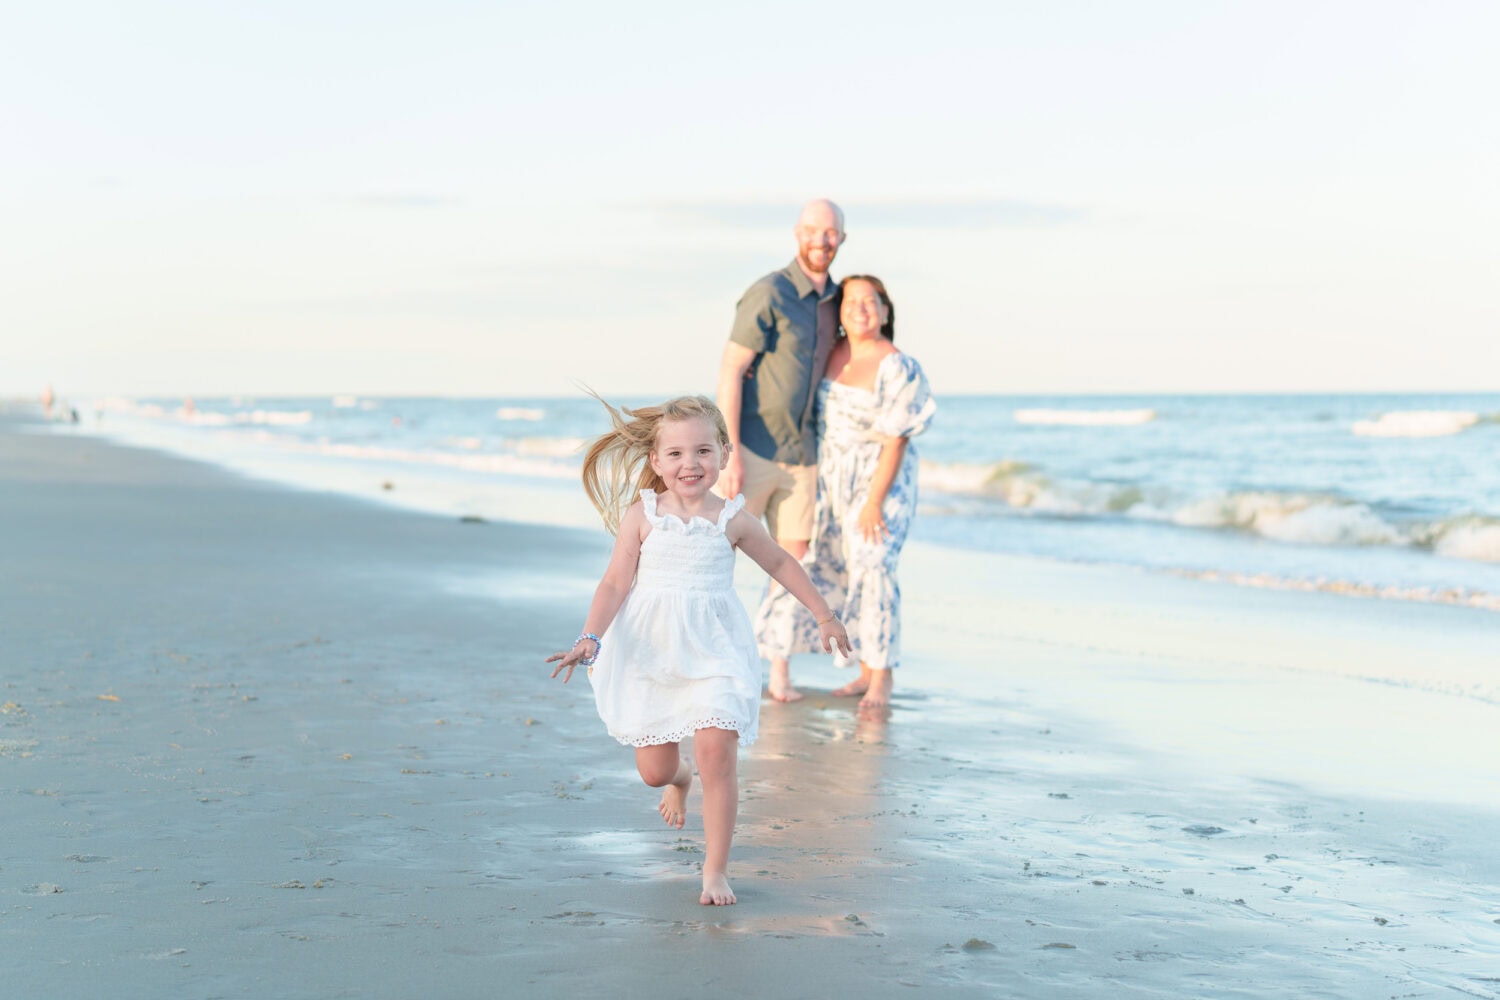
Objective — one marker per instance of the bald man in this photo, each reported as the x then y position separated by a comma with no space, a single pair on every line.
784,328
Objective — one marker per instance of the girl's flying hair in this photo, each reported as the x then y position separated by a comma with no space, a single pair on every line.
616,466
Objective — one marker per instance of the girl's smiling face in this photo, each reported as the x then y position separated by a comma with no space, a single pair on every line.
688,456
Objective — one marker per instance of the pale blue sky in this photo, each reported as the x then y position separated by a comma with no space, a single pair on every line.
208,198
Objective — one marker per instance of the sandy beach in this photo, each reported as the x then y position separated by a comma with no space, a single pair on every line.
260,742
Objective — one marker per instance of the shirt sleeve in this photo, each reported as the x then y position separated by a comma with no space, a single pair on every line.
906,403
754,321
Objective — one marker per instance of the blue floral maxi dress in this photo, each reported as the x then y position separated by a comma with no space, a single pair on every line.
856,577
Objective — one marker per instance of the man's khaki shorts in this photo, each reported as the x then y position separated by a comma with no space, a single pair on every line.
783,494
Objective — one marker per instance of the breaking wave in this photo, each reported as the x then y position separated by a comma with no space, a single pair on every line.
1291,517
1417,423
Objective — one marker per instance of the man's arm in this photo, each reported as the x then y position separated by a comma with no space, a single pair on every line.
753,333
736,362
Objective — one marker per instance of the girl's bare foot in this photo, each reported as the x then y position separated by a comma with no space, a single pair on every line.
878,692
780,685
673,807
859,685
716,891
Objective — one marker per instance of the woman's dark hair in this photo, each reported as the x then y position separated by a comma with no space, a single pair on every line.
889,329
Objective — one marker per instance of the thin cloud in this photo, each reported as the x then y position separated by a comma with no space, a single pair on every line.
988,213
403,201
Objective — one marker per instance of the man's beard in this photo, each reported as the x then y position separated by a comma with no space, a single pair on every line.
812,268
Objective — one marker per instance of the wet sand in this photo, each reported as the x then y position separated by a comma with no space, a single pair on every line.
261,742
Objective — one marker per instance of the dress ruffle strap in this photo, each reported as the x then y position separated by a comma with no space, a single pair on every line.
731,508
648,501
694,524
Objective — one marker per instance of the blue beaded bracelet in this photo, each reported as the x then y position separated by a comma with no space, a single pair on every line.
588,661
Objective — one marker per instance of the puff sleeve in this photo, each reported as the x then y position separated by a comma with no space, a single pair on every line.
906,404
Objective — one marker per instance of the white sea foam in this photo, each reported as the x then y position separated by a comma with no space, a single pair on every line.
345,402
561,447
1291,517
963,479
1299,518
269,418
530,413
1468,537
1022,486
1085,418
1424,595
191,415
491,462
1417,423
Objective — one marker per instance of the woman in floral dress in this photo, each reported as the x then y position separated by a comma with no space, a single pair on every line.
872,400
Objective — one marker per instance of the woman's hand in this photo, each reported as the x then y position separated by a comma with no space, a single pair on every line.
871,523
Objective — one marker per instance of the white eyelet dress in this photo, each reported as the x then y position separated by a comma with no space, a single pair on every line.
680,655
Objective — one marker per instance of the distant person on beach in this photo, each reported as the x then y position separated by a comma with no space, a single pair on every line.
872,400
681,658
48,399
784,328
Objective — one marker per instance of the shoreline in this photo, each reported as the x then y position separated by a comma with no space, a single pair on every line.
510,496
263,741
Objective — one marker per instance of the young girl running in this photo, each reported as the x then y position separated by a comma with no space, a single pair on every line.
681,658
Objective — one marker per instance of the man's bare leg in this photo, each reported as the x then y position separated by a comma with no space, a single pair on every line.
780,684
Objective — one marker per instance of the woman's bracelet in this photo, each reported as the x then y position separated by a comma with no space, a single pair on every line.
588,661
825,621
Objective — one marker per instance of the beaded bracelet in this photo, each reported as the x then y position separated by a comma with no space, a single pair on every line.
588,661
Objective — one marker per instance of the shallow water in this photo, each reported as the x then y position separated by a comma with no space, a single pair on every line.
1394,496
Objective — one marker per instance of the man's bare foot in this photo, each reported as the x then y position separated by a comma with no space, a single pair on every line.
673,807
716,891
878,693
859,685
780,684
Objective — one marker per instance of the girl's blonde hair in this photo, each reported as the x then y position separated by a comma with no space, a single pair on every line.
616,467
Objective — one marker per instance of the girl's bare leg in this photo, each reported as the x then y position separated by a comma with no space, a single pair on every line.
859,685
664,767
878,691
717,751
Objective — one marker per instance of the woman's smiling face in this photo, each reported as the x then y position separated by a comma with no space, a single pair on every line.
863,312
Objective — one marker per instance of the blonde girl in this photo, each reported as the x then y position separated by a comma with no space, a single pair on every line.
667,643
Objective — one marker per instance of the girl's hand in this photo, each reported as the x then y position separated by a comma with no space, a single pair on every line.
832,632
871,524
570,659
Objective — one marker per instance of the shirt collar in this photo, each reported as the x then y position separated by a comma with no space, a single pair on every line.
804,285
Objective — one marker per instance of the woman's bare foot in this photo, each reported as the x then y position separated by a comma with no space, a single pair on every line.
859,685
716,891
673,807
780,685
878,694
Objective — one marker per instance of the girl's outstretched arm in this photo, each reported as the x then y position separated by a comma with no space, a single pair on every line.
752,538
610,593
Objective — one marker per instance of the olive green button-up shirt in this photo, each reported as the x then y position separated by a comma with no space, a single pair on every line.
791,328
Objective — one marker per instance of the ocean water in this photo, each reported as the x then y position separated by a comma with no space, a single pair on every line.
1384,496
